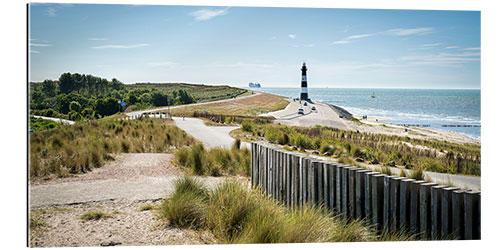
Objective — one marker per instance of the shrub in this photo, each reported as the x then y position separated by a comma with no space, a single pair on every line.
247,126
186,206
236,145
196,155
96,215
185,210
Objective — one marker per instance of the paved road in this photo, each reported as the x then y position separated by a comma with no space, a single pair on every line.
59,120
211,136
462,181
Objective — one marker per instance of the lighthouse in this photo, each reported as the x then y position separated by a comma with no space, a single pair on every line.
303,93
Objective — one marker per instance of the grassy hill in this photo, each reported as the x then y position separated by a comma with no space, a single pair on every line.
200,92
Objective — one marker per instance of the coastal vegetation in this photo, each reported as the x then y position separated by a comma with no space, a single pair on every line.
78,148
38,124
233,213
86,97
387,150
216,161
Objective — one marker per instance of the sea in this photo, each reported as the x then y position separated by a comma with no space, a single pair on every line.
444,109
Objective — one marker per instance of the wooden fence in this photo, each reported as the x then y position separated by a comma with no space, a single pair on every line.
426,209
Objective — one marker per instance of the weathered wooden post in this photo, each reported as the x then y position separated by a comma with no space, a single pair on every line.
295,179
338,188
446,212
457,211
404,203
368,195
377,199
345,191
425,208
331,185
319,183
436,197
394,202
386,205
415,206
351,172
360,193
471,215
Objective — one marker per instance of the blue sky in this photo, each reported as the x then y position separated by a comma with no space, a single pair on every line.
237,45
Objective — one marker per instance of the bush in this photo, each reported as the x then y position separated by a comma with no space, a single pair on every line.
247,126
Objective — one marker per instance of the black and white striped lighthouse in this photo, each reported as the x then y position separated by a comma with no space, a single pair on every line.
303,92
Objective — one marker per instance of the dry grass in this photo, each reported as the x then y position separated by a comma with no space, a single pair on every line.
248,106
79,148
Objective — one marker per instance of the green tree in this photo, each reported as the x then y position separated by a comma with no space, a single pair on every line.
66,83
108,106
146,98
50,88
75,106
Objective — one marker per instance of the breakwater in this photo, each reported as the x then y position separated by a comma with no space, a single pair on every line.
429,210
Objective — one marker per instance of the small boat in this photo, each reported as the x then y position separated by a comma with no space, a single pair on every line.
373,95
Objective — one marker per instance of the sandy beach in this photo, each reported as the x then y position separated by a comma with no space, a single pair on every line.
328,115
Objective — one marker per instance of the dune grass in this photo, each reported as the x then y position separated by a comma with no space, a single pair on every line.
387,150
79,148
234,213
216,161
94,215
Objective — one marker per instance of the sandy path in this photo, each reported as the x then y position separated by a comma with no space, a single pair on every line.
118,188
127,226
130,176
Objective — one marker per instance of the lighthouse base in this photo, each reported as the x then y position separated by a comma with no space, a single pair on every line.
303,96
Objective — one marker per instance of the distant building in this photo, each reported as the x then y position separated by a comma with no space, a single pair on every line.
254,85
303,92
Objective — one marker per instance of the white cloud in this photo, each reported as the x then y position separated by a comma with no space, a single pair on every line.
207,14
97,39
443,59
350,38
452,47
342,42
121,46
432,44
308,45
406,32
476,48
292,36
358,36
161,64
50,12
39,45
34,51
